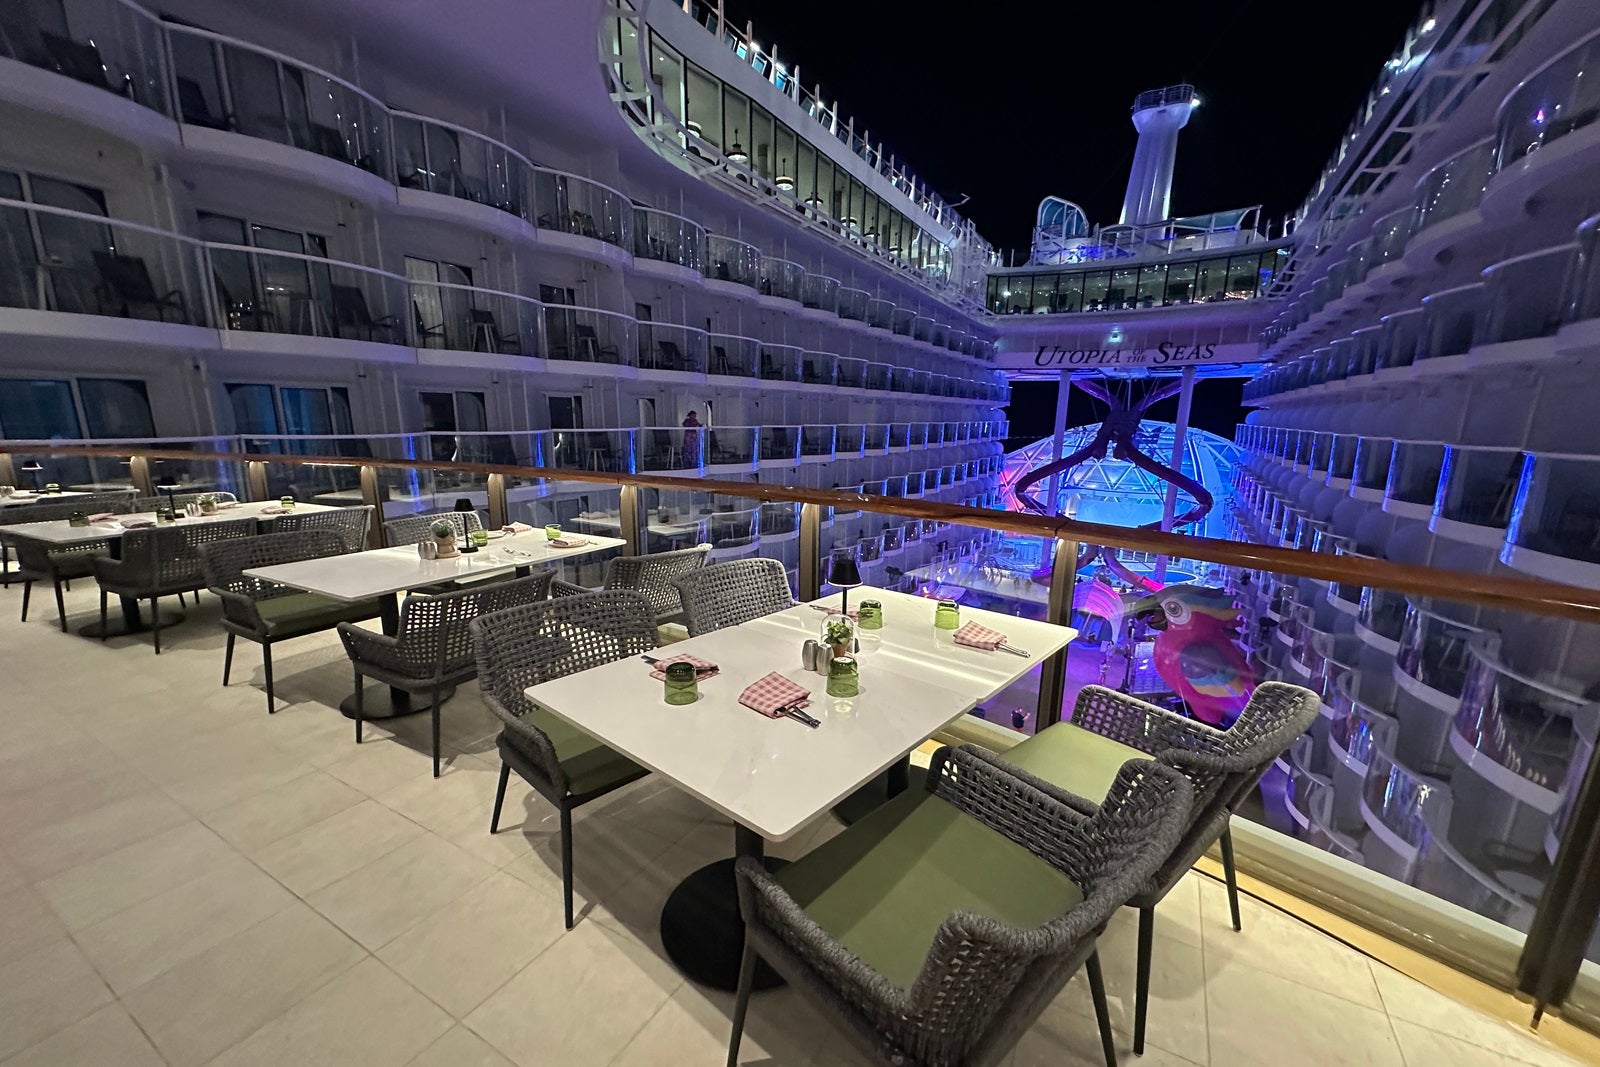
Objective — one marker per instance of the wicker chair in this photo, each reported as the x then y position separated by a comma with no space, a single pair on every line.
726,594
161,561
1108,728
432,648
654,576
178,500
409,529
349,524
266,612
533,644
61,563
949,962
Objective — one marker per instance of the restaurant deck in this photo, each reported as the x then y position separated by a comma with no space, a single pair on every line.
185,880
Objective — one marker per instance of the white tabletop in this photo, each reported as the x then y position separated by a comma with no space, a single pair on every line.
363,575
61,532
775,775
16,500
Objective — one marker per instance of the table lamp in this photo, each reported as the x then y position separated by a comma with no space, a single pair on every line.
172,504
844,575
34,468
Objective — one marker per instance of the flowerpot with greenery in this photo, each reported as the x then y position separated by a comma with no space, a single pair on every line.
207,502
444,535
839,634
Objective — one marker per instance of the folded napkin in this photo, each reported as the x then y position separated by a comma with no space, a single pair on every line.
102,516
703,668
772,693
226,504
516,528
853,613
975,636
135,524
569,542
274,509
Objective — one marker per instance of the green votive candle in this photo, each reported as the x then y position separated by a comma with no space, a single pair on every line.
844,677
552,532
947,616
870,615
681,684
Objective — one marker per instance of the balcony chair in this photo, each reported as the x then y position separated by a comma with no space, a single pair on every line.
1109,728
236,313
350,312
161,561
940,927
536,643
426,335
588,344
671,357
486,329
350,525
653,576
82,62
126,280
726,594
196,109
266,612
432,647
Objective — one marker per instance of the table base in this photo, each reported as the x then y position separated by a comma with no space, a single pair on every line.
703,933
873,795
382,702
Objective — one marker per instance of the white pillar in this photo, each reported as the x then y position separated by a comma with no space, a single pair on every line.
1180,430
1054,485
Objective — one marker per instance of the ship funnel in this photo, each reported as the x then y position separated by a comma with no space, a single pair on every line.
1158,115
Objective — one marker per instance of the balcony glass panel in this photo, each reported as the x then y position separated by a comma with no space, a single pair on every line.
737,357
877,436
608,451
880,313
780,363
818,368
572,204
781,278
1453,186
668,238
465,319
1558,100
1478,485
452,161
1557,507
879,376
1397,347
284,292
669,448
850,441
1414,473
853,304
731,445
1519,299
730,260
1433,647
662,346
780,444
820,291
110,45
589,335
817,441
1382,612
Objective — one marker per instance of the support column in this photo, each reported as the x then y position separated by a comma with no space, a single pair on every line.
1053,487
1180,432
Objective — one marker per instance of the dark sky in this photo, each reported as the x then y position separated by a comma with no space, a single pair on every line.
1009,102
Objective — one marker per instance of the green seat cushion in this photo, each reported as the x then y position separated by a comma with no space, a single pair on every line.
883,886
589,764
1080,761
303,613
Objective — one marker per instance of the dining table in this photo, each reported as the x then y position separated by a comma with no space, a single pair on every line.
387,574
61,533
772,777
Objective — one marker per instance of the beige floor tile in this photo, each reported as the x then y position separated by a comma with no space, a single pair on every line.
108,1037
51,848
1423,1047
1278,944
1410,1001
1257,1018
1071,1039
59,800
580,1002
202,1006
378,765
468,828
688,1029
471,947
27,923
11,877
459,1047
326,851
228,780
431,801
1177,1019
102,887
281,810
141,942
46,991
388,896
366,1016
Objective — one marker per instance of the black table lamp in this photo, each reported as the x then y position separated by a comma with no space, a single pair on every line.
172,503
844,575
33,469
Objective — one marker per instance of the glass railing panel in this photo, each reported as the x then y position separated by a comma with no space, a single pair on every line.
1584,290
1558,100
584,508
853,304
668,238
602,451
916,434
901,322
877,437
850,440
1454,186
781,278
780,444
1381,612
818,368
1434,645
1392,231
779,520
879,375
780,363
1478,485
900,379
84,264
1397,345
820,291
729,260
1371,473
110,45
572,204
1519,300
737,357
852,373
731,446
285,292
669,448
442,158
1414,471
589,335
880,313
662,346
817,441
1555,519
464,319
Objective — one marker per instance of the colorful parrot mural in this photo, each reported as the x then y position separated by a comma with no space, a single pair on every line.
1195,652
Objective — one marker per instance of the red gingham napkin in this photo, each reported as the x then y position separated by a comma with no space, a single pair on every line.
102,516
703,668
976,636
569,541
773,692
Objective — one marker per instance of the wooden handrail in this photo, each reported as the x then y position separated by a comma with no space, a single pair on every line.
1518,594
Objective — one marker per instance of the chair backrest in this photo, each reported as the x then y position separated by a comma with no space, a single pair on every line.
168,557
350,525
727,594
656,575
158,502
224,562
434,638
409,529
350,306
119,503
127,276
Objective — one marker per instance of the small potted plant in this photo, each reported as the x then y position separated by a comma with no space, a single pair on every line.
839,634
444,535
207,502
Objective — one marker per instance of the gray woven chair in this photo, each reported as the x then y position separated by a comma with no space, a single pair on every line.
350,524
727,594
409,529
1108,728
533,644
161,561
266,612
938,928
432,648
58,565
159,501
654,575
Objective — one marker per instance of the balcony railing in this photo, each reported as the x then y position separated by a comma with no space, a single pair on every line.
780,445
818,368
782,278
663,346
668,238
1560,99
467,319
108,44
732,260
589,335
1448,321
1454,186
1518,300
820,291
311,296
440,157
571,203
732,446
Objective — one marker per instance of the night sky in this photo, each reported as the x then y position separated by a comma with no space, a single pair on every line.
1009,103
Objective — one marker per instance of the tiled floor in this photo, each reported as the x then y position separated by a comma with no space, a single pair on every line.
185,880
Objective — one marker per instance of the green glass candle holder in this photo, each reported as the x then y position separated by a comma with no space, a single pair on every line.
479,537
844,677
552,532
77,518
681,685
947,616
870,615
286,502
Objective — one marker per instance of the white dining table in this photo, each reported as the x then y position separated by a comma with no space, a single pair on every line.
772,777
387,573
17,500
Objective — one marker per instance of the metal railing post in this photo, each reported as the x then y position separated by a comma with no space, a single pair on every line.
255,480
371,496
628,514
1053,672
499,509
810,576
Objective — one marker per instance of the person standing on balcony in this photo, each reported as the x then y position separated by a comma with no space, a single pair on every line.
691,436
